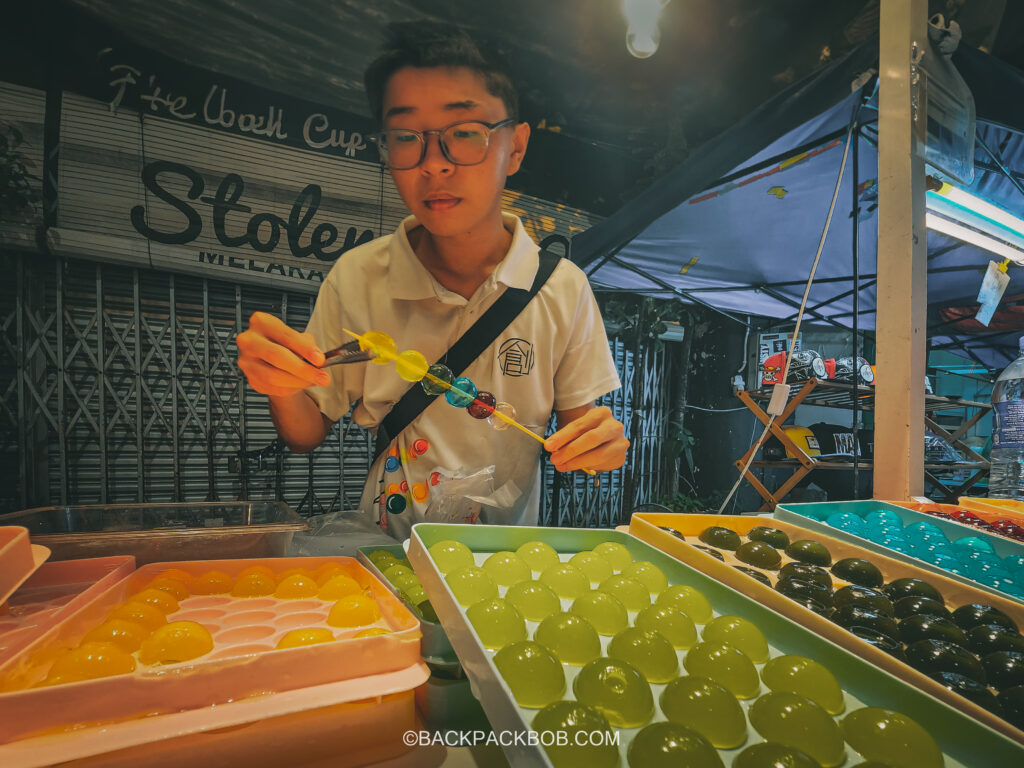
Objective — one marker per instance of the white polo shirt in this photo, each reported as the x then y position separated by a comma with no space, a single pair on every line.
553,356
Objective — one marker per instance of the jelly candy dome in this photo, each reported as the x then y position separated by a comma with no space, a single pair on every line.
673,624
296,587
688,600
796,721
309,636
451,555
254,584
337,587
806,677
669,745
570,637
605,612
618,690
497,623
726,665
534,599
173,587
719,536
768,754
211,583
647,574
532,672
354,611
739,633
139,613
708,708
571,718
176,642
772,536
397,570
537,555
631,593
507,568
759,554
566,580
381,345
471,585
162,601
596,567
614,553
891,738
126,635
646,650
88,662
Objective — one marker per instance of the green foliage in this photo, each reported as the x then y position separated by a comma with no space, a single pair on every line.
632,318
17,195
685,502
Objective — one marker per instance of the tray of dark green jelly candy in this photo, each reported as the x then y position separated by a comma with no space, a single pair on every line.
994,563
519,669
969,647
391,566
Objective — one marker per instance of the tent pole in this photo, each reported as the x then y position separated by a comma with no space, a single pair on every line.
902,253
855,179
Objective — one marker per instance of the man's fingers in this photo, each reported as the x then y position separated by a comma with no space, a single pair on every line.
575,428
275,330
263,377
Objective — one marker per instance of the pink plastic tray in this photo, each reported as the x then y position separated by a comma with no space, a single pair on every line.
53,593
18,559
242,664
353,722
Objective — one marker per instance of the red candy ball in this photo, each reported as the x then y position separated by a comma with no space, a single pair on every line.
482,406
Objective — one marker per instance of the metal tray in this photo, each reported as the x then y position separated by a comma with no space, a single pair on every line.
163,532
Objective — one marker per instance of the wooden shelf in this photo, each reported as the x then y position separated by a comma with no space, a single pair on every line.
834,394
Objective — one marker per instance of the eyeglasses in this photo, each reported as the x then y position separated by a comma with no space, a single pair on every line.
463,143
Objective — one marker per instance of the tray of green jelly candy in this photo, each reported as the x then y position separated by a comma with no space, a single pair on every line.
435,648
906,542
466,600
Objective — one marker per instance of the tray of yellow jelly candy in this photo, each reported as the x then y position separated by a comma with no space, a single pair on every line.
954,641
390,565
177,636
612,653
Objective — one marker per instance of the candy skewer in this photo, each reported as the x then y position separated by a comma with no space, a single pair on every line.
389,356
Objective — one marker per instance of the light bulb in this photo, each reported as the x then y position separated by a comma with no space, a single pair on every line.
642,43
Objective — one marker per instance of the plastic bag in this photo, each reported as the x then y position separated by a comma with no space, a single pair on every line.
462,498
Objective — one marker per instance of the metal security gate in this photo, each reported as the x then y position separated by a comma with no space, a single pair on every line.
120,385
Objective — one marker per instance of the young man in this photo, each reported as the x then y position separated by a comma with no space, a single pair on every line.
450,136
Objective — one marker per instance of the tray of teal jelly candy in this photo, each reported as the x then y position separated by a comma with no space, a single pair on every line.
389,564
994,563
947,637
570,633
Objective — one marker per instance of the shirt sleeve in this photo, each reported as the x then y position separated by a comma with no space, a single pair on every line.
326,324
587,370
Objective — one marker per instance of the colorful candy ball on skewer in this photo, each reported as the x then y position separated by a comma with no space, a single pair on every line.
438,379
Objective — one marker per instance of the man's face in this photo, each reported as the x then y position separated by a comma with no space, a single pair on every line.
448,199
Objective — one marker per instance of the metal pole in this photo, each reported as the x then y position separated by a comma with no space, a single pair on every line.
855,179
902,253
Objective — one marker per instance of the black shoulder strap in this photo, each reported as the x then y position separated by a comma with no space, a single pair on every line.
464,351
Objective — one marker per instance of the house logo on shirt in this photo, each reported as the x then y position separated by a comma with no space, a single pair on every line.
515,357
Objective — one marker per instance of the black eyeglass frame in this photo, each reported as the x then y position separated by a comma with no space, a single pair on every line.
380,136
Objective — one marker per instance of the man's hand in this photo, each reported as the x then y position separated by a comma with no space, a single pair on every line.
278,360
591,438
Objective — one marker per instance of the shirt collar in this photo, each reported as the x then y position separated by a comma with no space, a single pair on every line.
409,280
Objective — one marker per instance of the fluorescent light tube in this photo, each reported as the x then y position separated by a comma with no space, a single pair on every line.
960,232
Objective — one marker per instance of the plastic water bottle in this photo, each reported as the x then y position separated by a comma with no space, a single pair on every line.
1007,478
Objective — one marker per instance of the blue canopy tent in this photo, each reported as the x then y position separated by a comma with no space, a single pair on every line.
735,228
